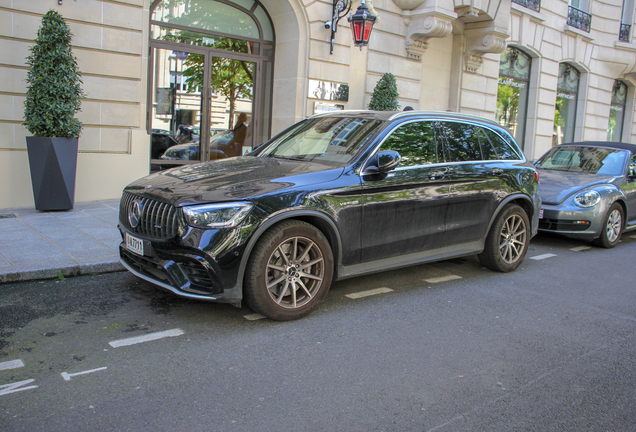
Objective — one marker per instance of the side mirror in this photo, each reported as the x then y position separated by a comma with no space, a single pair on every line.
383,162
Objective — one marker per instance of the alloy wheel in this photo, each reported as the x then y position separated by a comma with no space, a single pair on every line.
295,272
614,224
513,239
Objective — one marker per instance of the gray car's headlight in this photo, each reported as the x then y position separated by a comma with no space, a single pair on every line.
587,199
226,215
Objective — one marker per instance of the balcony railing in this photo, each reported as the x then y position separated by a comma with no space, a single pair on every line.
535,5
623,36
579,19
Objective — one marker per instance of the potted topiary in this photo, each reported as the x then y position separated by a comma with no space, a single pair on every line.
385,94
53,97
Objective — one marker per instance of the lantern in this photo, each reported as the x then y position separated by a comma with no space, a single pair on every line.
361,25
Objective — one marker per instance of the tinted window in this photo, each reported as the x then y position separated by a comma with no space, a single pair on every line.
461,140
330,140
486,146
502,146
415,142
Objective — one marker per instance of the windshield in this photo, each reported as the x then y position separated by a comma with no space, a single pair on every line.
591,160
330,140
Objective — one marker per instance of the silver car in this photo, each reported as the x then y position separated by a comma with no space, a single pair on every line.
588,191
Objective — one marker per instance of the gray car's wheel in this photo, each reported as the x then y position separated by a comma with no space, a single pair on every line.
289,272
507,241
612,227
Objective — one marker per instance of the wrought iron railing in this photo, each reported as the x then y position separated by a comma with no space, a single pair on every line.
579,19
623,36
535,5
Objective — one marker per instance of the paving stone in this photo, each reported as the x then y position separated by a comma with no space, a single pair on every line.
73,234
52,227
94,253
102,233
35,257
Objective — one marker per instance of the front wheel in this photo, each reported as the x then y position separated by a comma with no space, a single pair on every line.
507,242
289,271
612,227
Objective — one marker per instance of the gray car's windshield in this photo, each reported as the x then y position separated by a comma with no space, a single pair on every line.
592,160
330,140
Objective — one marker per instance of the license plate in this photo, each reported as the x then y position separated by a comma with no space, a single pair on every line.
134,244
541,214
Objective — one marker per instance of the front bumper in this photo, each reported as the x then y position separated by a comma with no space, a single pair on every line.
572,221
188,271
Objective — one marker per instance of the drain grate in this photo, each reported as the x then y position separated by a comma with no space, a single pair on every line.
7,216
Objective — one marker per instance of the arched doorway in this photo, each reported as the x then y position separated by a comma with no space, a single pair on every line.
210,79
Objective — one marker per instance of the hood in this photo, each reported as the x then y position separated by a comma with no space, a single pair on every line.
233,179
556,186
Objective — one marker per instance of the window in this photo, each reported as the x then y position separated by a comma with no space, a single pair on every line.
461,141
578,16
416,144
535,5
512,93
617,112
565,109
626,21
501,144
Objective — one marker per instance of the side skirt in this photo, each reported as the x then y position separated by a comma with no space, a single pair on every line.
392,263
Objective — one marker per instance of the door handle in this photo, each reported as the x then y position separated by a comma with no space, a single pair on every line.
497,171
437,175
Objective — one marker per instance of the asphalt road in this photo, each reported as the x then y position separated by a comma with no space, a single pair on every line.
549,347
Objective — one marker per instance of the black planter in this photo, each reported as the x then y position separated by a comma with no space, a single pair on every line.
53,164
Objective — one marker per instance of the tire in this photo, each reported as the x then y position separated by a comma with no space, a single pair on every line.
507,242
289,271
612,227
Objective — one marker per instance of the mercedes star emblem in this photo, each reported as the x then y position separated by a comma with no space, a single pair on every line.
134,213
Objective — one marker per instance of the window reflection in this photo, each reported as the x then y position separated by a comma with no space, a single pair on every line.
512,92
617,112
416,144
565,109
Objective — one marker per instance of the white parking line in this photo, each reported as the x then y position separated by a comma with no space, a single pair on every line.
442,279
67,376
581,248
368,293
146,338
542,257
16,387
253,317
13,364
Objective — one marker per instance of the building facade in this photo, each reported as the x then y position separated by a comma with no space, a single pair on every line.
552,72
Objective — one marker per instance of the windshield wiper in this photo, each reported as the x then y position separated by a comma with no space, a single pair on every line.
295,158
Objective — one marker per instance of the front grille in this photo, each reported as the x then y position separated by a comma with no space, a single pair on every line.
562,225
157,220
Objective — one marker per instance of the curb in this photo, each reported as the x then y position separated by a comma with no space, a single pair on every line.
66,271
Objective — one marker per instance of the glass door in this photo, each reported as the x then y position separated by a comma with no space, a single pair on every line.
177,110
231,106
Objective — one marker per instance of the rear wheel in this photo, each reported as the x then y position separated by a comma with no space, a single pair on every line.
289,271
612,227
507,241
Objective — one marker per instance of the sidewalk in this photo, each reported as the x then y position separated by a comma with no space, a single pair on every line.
35,245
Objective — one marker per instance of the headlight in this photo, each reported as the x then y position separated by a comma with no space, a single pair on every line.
226,215
587,199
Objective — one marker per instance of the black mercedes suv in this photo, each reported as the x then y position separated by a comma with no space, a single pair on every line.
331,197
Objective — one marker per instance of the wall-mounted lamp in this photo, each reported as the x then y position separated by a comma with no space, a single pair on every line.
340,9
361,25
361,22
